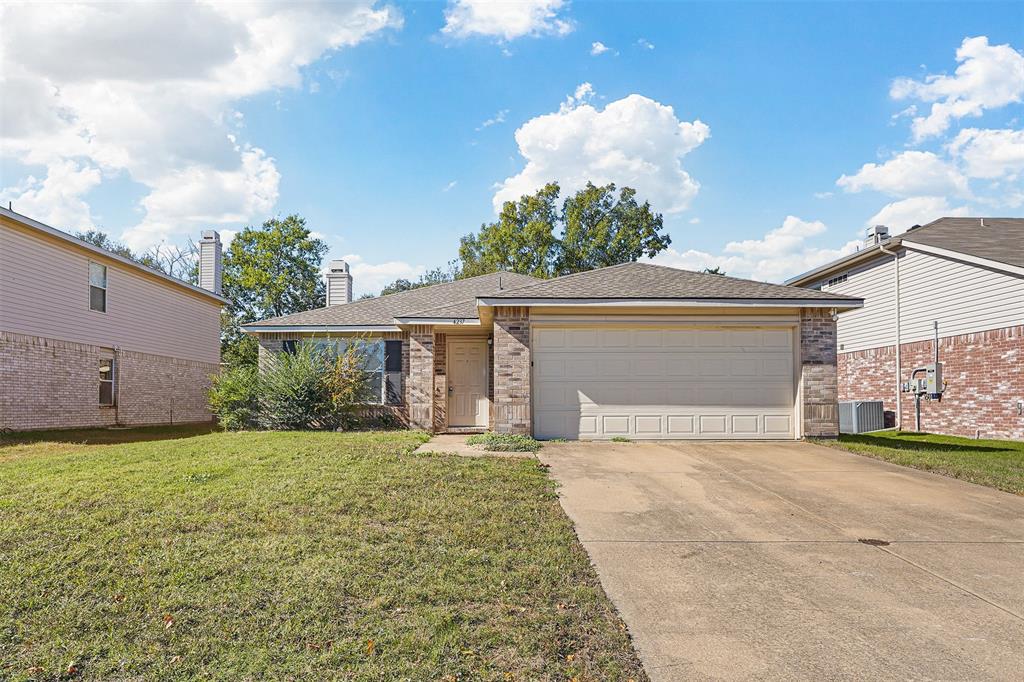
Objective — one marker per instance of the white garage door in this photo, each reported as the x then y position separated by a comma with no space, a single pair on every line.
644,382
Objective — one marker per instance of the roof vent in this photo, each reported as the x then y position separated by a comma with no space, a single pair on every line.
876,235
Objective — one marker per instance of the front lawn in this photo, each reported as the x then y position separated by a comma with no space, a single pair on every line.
995,463
291,556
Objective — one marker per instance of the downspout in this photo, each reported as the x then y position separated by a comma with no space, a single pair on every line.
899,375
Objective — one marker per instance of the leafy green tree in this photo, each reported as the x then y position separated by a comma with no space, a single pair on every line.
601,229
104,241
522,240
595,229
435,276
270,270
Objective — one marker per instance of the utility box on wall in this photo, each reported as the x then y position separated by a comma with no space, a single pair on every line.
861,416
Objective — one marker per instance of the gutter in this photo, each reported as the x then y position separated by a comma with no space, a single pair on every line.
313,328
844,303
899,373
842,263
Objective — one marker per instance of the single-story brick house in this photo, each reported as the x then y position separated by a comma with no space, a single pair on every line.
91,338
635,350
966,274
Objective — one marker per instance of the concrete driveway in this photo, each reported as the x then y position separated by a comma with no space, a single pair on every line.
743,560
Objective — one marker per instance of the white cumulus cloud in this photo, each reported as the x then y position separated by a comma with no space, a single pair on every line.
900,216
634,141
909,173
370,278
782,253
990,154
597,47
144,92
988,77
506,20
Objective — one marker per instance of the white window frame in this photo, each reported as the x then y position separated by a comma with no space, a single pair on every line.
112,381
96,286
337,345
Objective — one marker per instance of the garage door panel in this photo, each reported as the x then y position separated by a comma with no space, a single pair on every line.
594,382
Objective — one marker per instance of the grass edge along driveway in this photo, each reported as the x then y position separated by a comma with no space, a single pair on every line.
994,463
291,556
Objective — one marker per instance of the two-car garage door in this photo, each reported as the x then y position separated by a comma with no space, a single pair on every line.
663,382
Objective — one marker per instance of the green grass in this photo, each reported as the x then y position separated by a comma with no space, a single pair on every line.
504,442
244,556
620,439
995,463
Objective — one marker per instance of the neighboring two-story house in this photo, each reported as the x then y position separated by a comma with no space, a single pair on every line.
966,274
90,338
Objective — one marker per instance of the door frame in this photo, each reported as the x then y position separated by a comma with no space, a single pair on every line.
468,341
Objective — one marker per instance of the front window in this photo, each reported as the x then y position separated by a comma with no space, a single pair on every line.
107,378
383,364
98,287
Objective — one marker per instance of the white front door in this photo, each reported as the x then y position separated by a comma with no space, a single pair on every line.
467,382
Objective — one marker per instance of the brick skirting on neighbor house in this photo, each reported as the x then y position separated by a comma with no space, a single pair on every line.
53,384
984,375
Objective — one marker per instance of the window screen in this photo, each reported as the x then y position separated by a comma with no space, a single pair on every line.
98,287
107,374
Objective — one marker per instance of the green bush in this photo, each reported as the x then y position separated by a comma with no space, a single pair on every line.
504,442
310,389
295,390
234,398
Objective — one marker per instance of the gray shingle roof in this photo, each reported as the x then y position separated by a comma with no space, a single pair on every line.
384,309
998,239
649,281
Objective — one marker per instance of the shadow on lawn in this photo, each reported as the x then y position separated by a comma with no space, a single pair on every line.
109,436
922,442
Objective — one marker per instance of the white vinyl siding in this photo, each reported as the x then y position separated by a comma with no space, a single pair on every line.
44,291
963,298
669,382
873,325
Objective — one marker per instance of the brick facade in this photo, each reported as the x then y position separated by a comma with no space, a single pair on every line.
421,378
984,375
512,360
440,383
818,374
53,384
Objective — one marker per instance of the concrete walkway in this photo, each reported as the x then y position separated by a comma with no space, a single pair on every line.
455,444
743,561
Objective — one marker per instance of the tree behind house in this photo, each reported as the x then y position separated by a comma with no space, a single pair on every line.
596,229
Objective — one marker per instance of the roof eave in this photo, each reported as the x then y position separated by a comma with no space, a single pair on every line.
467,321
312,328
843,303
842,263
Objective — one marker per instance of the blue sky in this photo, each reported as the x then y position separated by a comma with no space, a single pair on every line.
392,127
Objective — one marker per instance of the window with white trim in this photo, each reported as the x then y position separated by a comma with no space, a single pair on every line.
383,364
97,287
108,382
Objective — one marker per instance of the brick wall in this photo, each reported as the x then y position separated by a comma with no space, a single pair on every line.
819,374
512,370
52,384
421,377
984,374
440,382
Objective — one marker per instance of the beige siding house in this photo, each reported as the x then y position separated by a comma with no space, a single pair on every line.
634,350
966,275
89,338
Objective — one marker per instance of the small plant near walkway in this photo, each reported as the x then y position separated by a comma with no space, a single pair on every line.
621,439
993,463
504,442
